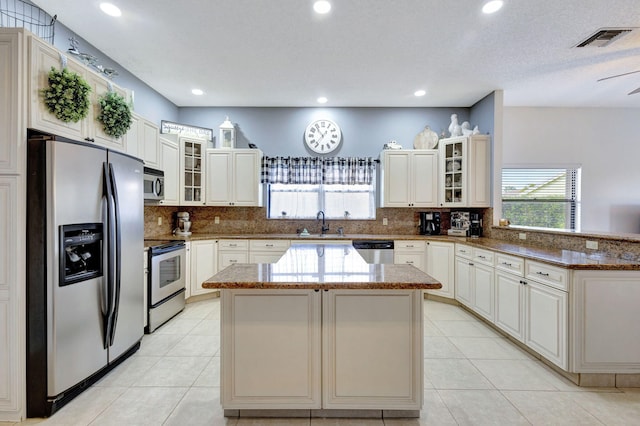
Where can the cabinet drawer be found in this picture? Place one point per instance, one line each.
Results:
(547, 274)
(513, 264)
(464, 251)
(483, 256)
(233, 245)
(409, 245)
(268, 245)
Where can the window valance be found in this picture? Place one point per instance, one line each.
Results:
(316, 170)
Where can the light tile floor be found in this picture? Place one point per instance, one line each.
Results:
(473, 376)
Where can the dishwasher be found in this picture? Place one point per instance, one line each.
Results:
(375, 251)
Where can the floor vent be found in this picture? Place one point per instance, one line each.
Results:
(604, 37)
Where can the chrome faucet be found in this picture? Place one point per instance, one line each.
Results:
(325, 227)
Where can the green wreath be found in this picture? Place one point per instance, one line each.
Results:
(115, 114)
(67, 96)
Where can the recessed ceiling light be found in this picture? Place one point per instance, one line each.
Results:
(322, 100)
(492, 6)
(322, 6)
(420, 92)
(110, 9)
(197, 92)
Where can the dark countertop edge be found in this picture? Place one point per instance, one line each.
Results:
(536, 253)
(321, 286)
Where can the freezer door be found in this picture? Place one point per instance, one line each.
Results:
(127, 174)
(75, 344)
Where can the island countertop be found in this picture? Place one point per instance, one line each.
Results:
(321, 266)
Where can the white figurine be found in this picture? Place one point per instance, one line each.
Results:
(466, 129)
(454, 128)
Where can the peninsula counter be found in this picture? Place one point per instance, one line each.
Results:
(322, 333)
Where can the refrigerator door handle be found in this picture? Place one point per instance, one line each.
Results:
(109, 270)
(116, 252)
(104, 289)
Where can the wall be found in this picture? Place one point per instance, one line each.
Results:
(279, 131)
(604, 141)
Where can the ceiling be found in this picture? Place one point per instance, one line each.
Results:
(367, 52)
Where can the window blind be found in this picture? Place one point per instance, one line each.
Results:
(541, 197)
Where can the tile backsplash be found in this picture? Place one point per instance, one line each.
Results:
(253, 220)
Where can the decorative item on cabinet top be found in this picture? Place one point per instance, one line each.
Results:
(187, 130)
(464, 129)
(426, 139)
(22, 14)
(90, 60)
(227, 138)
(392, 145)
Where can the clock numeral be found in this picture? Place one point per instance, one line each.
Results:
(317, 127)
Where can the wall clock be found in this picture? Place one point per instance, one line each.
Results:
(322, 136)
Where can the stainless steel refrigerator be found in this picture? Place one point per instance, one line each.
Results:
(85, 238)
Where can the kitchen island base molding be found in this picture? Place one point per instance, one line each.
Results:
(328, 414)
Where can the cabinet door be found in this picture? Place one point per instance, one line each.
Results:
(479, 177)
(204, 262)
(425, 178)
(99, 87)
(247, 189)
(132, 138)
(192, 172)
(453, 169)
(463, 279)
(12, 107)
(510, 304)
(483, 291)
(396, 181)
(170, 164)
(219, 184)
(546, 319)
(150, 135)
(440, 265)
(43, 57)
(271, 345)
(371, 346)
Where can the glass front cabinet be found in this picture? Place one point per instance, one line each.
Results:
(192, 171)
(465, 167)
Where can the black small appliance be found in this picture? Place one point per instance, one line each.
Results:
(430, 223)
(475, 225)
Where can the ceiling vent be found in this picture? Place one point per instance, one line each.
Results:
(604, 37)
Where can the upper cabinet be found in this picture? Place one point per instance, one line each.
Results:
(465, 168)
(233, 177)
(170, 164)
(95, 129)
(12, 107)
(142, 141)
(192, 168)
(409, 178)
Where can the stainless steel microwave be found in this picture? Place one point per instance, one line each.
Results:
(153, 184)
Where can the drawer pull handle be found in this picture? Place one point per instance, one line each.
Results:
(506, 263)
(409, 245)
(410, 262)
(233, 245)
(542, 273)
(482, 257)
(268, 245)
(463, 251)
(523, 282)
(232, 260)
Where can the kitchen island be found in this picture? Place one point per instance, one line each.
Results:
(322, 333)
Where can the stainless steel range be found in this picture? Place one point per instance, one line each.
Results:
(166, 286)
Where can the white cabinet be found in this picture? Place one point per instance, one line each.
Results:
(204, 264)
(510, 293)
(43, 58)
(465, 168)
(267, 251)
(233, 177)
(409, 178)
(441, 266)
(306, 349)
(606, 335)
(192, 171)
(232, 251)
(12, 109)
(170, 164)
(357, 371)
(142, 141)
(411, 252)
(265, 363)
(474, 282)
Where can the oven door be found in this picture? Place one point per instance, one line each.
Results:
(168, 271)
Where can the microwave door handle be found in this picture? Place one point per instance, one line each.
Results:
(115, 232)
(157, 187)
